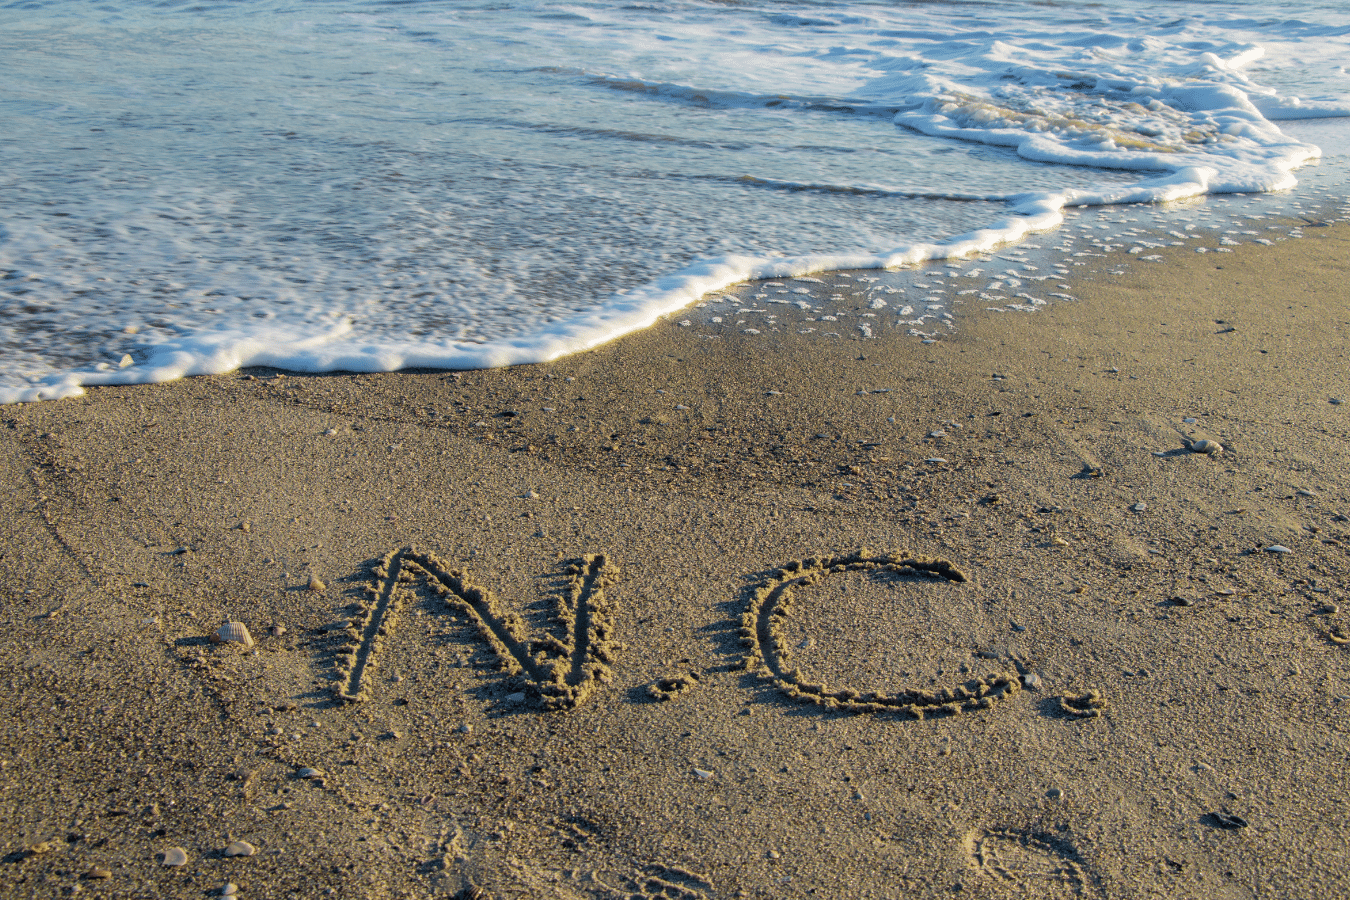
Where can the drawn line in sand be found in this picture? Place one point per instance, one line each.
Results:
(563, 673)
(1039, 864)
(1083, 706)
(767, 652)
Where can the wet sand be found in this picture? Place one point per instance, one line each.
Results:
(741, 663)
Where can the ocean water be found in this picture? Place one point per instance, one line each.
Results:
(356, 185)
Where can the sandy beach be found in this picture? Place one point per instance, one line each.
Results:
(708, 614)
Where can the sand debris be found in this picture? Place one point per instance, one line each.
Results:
(669, 688)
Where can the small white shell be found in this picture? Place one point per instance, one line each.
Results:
(233, 633)
(1213, 448)
(175, 856)
(308, 772)
(240, 848)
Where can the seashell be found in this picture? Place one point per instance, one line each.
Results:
(175, 856)
(308, 772)
(229, 889)
(240, 848)
(233, 633)
(1278, 548)
(316, 583)
(1212, 448)
(98, 873)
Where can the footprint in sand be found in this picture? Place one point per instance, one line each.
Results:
(1028, 863)
(562, 672)
(764, 636)
(669, 883)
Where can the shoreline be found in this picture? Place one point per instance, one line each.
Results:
(1044, 455)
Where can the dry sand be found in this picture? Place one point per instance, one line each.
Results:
(1099, 555)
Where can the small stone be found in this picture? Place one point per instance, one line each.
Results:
(937, 433)
(1056, 794)
(175, 856)
(517, 697)
(530, 495)
(316, 583)
(1306, 493)
(245, 526)
(1278, 548)
(277, 630)
(466, 728)
(125, 361)
(681, 406)
(98, 873)
(240, 848)
(309, 773)
(1031, 681)
(703, 774)
(1058, 541)
(1335, 401)
(935, 460)
(1327, 609)
(229, 889)
(773, 854)
(1211, 448)
(1139, 507)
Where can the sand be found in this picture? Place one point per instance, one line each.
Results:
(642, 511)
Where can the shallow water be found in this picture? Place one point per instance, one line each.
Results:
(368, 186)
